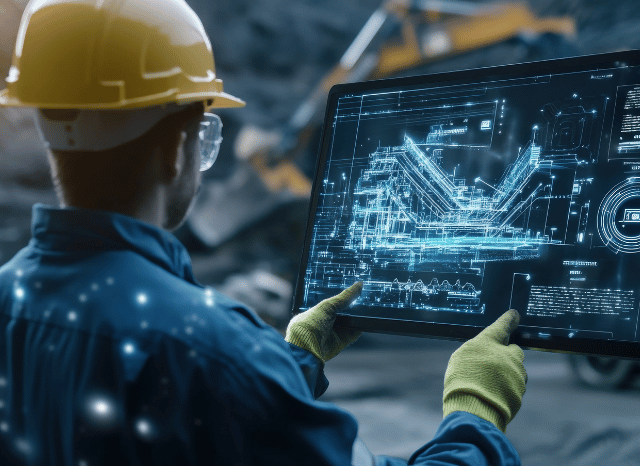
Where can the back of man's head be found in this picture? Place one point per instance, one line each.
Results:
(116, 179)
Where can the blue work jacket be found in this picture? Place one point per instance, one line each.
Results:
(112, 353)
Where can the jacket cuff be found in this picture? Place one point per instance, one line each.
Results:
(460, 401)
(312, 369)
(305, 339)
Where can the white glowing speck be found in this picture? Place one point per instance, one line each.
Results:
(95, 286)
(188, 330)
(1, 404)
(209, 302)
(144, 324)
(144, 427)
(4, 426)
(23, 446)
(19, 293)
(193, 353)
(52, 347)
(101, 407)
(46, 313)
(19, 273)
(3, 382)
(129, 348)
(73, 315)
(82, 297)
(209, 292)
(110, 281)
(141, 298)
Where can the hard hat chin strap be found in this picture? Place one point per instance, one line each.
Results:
(98, 130)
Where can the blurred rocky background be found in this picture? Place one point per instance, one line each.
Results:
(246, 232)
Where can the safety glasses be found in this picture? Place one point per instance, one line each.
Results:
(210, 136)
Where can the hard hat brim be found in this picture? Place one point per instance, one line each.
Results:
(224, 100)
(212, 100)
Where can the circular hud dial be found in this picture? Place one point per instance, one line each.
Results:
(619, 217)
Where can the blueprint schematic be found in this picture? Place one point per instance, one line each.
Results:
(455, 203)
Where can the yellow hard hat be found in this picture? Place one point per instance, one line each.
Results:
(112, 54)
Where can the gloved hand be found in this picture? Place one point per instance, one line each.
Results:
(313, 330)
(486, 377)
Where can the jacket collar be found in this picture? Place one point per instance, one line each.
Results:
(74, 230)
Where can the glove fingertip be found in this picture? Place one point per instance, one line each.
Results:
(349, 295)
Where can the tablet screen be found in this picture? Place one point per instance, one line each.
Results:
(459, 196)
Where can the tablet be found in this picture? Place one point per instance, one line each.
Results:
(457, 196)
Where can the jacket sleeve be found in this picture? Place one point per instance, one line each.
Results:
(312, 370)
(462, 439)
(262, 410)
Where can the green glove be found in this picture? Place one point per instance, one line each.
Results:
(313, 330)
(486, 377)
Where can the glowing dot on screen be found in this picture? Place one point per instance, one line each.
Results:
(209, 302)
(144, 324)
(46, 313)
(4, 426)
(3, 382)
(19, 273)
(1, 404)
(141, 298)
(95, 286)
(82, 297)
(19, 293)
(73, 315)
(193, 353)
(52, 347)
(110, 281)
(209, 292)
(188, 330)
(129, 348)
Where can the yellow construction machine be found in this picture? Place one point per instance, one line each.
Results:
(399, 36)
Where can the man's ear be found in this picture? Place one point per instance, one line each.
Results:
(171, 161)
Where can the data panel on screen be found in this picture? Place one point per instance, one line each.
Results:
(454, 203)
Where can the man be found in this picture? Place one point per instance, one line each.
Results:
(111, 352)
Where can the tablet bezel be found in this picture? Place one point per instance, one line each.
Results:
(620, 349)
